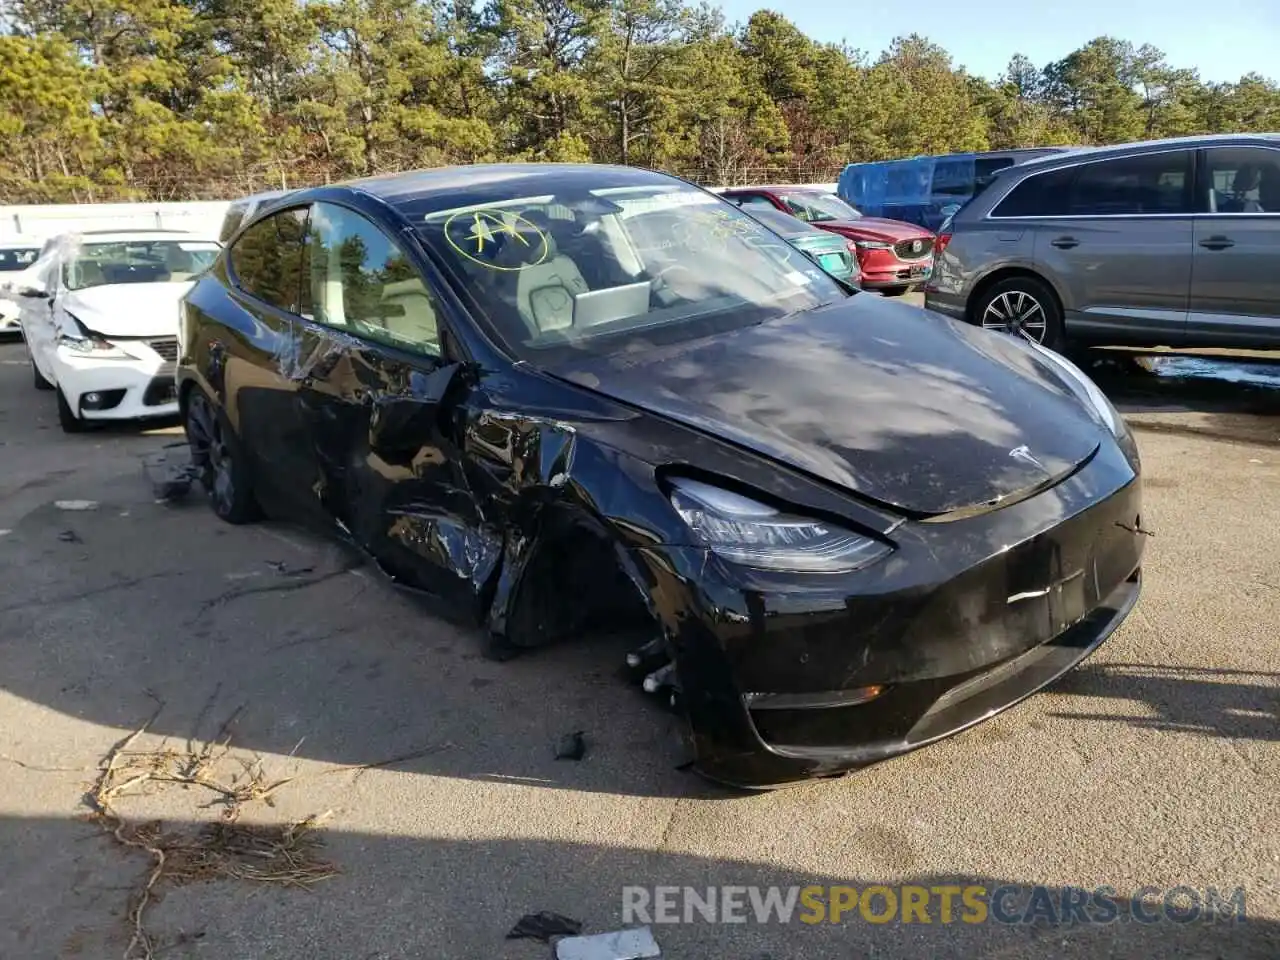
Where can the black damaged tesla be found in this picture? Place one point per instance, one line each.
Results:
(552, 396)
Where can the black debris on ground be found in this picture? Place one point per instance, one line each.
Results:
(69, 536)
(170, 471)
(282, 568)
(572, 746)
(543, 926)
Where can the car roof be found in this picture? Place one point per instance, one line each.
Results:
(126, 235)
(1143, 146)
(261, 197)
(403, 187)
(784, 224)
(774, 187)
(133, 234)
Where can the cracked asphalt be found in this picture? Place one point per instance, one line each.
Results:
(1155, 764)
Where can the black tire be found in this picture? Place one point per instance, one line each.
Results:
(67, 419)
(219, 459)
(1024, 301)
(37, 378)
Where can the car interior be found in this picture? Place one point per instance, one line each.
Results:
(558, 275)
(403, 311)
(1246, 189)
(561, 266)
(101, 264)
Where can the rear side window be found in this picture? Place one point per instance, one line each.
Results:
(953, 178)
(1043, 195)
(985, 170)
(1243, 180)
(231, 222)
(269, 260)
(1147, 183)
(753, 201)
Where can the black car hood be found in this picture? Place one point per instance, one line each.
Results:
(895, 403)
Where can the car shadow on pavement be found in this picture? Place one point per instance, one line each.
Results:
(110, 611)
(1225, 399)
(1234, 704)
(1235, 398)
(68, 889)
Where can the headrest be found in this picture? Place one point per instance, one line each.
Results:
(134, 273)
(540, 223)
(1245, 179)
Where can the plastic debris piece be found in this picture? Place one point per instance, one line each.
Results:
(664, 676)
(543, 926)
(170, 472)
(647, 658)
(5, 533)
(76, 504)
(572, 746)
(285, 570)
(637, 944)
(69, 536)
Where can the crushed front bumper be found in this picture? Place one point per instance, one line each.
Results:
(116, 389)
(965, 619)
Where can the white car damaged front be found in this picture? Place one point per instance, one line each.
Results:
(101, 327)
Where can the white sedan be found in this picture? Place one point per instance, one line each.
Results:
(17, 255)
(100, 320)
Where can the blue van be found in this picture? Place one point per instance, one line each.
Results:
(926, 190)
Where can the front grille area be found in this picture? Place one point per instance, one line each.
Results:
(167, 347)
(905, 250)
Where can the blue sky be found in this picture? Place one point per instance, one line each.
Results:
(1223, 39)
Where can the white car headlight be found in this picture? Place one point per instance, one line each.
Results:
(757, 535)
(86, 344)
(1086, 391)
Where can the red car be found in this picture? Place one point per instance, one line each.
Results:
(894, 256)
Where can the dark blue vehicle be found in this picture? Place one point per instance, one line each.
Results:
(926, 190)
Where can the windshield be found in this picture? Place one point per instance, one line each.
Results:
(17, 258)
(590, 269)
(818, 207)
(137, 261)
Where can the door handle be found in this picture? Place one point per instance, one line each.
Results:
(1217, 243)
(1065, 243)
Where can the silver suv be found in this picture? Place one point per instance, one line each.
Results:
(1165, 243)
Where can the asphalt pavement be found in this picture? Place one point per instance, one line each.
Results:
(431, 774)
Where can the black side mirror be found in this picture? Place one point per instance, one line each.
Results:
(35, 293)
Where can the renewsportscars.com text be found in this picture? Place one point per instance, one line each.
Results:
(945, 903)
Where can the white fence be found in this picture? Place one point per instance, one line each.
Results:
(41, 221)
(48, 220)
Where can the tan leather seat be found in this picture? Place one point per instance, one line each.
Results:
(418, 322)
(545, 288)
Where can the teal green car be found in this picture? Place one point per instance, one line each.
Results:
(833, 252)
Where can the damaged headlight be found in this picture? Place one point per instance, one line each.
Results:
(81, 341)
(758, 535)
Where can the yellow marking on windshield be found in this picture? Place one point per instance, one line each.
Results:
(475, 235)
